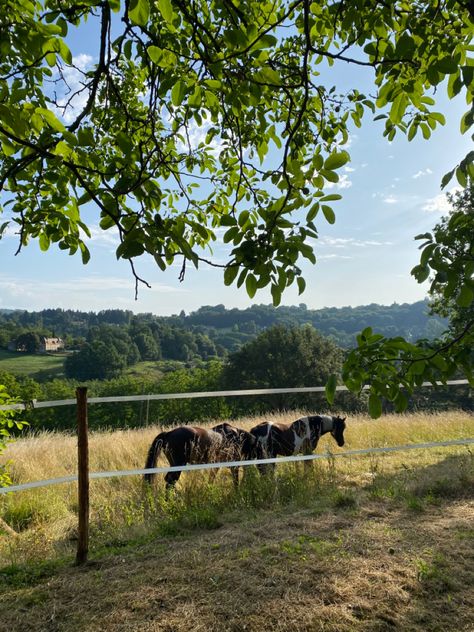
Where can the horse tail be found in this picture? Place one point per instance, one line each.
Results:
(153, 454)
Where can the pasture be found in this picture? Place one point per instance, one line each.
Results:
(40, 367)
(367, 543)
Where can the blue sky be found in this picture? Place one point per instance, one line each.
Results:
(390, 193)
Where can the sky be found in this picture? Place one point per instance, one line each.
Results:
(391, 192)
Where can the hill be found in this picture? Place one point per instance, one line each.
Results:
(228, 329)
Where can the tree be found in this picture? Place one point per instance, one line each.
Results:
(29, 342)
(244, 78)
(283, 357)
(452, 247)
(147, 346)
(95, 361)
(393, 367)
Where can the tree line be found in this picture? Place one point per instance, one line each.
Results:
(210, 331)
(279, 357)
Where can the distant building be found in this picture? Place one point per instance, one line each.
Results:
(51, 344)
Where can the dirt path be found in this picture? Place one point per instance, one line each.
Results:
(373, 568)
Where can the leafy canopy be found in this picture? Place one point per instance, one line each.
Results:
(199, 116)
(394, 367)
(203, 116)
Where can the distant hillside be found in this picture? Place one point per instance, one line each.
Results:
(228, 329)
(412, 321)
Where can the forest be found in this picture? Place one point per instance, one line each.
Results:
(116, 352)
(215, 330)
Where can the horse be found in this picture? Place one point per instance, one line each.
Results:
(299, 437)
(192, 444)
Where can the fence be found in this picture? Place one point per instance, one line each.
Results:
(84, 475)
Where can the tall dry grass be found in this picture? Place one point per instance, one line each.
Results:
(53, 454)
(45, 518)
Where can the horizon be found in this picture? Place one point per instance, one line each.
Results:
(282, 305)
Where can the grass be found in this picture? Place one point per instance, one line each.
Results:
(363, 543)
(41, 367)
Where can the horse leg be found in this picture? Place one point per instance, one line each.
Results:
(235, 476)
(213, 474)
(268, 469)
(172, 478)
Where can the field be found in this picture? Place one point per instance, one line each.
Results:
(40, 367)
(369, 543)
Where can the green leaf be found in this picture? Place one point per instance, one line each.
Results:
(276, 295)
(465, 296)
(230, 273)
(447, 178)
(401, 402)
(44, 242)
(139, 12)
(129, 248)
(336, 160)
(251, 285)
(447, 65)
(178, 93)
(154, 53)
(330, 388)
(398, 108)
(331, 198)
(51, 119)
(375, 406)
(301, 285)
(328, 213)
(461, 177)
(166, 10)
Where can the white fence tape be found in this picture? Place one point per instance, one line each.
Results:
(139, 398)
(209, 466)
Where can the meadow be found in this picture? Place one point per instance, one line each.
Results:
(377, 542)
(39, 366)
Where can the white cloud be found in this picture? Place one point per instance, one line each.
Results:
(54, 292)
(421, 173)
(344, 183)
(101, 237)
(74, 97)
(390, 199)
(349, 169)
(345, 242)
(439, 203)
(196, 134)
(332, 256)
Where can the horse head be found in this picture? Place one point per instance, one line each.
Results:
(338, 427)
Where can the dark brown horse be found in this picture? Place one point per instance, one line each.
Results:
(192, 444)
(299, 437)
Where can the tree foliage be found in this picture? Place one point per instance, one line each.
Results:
(8, 422)
(246, 76)
(450, 247)
(394, 367)
(283, 357)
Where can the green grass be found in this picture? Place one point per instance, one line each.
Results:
(41, 367)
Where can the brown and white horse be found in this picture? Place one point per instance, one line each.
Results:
(299, 437)
(192, 444)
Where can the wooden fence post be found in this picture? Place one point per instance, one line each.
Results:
(82, 476)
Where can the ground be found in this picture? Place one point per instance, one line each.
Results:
(367, 544)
